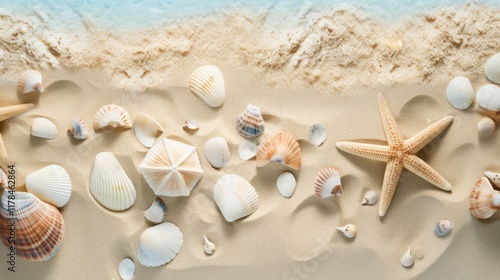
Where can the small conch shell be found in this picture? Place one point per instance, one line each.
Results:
(281, 148)
(327, 183)
(349, 230)
(126, 269)
(146, 129)
(460, 93)
(14, 110)
(492, 68)
(209, 246)
(156, 211)
(486, 127)
(113, 116)
(494, 177)
(407, 259)
(484, 201)
(217, 152)
(317, 134)
(78, 129)
(43, 128)
(370, 198)
(250, 123)
(488, 97)
(286, 184)
(191, 124)
(442, 227)
(248, 149)
(207, 83)
(29, 81)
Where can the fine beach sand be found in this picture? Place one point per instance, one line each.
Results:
(286, 238)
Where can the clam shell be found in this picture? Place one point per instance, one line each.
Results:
(286, 184)
(109, 184)
(492, 68)
(217, 152)
(50, 184)
(209, 246)
(460, 93)
(488, 97)
(191, 124)
(78, 129)
(407, 259)
(29, 81)
(370, 198)
(126, 269)
(207, 83)
(349, 230)
(235, 197)
(171, 168)
(250, 123)
(156, 211)
(43, 128)
(317, 134)
(12, 111)
(3, 180)
(442, 227)
(159, 245)
(327, 183)
(494, 177)
(486, 127)
(146, 129)
(112, 116)
(281, 148)
(39, 226)
(248, 149)
(484, 201)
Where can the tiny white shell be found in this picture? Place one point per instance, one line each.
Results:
(191, 124)
(209, 246)
(126, 269)
(317, 134)
(146, 129)
(160, 244)
(460, 93)
(207, 83)
(235, 197)
(442, 227)
(78, 129)
(494, 177)
(248, 149)
(492, 68)
(156, 211)
(488, 97)
(486, 127)
(286, 184)
(349, 230)
(370, 198)
(407, 259)
(29, 81)
(43, 128)
(217, 152)
(111, 115)
(50, 184)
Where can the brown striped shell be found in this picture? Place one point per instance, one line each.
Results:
(327, 183)
(281, 148)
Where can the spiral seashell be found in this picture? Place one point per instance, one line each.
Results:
(50, 184)
(327, 183)
(492, 68)
(12, 111)
(43, 128)
(235, 197)
(407, 259)
(217, 152)
(112, 116)
(281, 148)
(209, 246)
(248, 149)
(286, 184)
(146, 129)
(317, 134)
(484, 201)
(442, 227)
(250, 123)
(486, 127)
(126, 269)
(78, 129)
(159, 245)
(460, 93)
(349, 230)
(488, 97)
(29, 81)
(156, 211)
(207, 83)
(370, 198)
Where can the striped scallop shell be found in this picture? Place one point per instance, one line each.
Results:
(250, 123)
(159, 245)
(488, 97)
(14, 110)
(78, 129)
(146, 129)
(50, 184)
(207, 83)
(492, 68)
(317, 134)
(109, 184)
(235, 197)
(281, 148)
(39, 226)
(486, 127)
(327, 183)
(113, 116)
(126, 269)
(156, 211)
(29, 81)
(43, 128)
(460, 93)
(217, 152)
(484, 201)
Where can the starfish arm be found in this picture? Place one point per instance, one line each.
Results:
(374, 152)
(422, 169)
(417, 142)
(394, 138)
(391, 177)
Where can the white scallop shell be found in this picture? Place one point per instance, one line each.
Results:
(217, 152)
(43, 128)
(349, 230)
(443, 227)
(156, 211)
(50, 184)
(191, 124)
(78, 129)
(248, 149)
(112, 115)
(250, 123)
(209, 246)
(29, 81)
(286, 184)
(494, 177)
(109, 184)
(407, 259)
(488, 97)
(486, 127)
(492, 68)
(207, 83)
(460, 93)
(126, 269)
(159, 245)
(327, 183)
(317, 134)
(235, 197)
(370, 198)
(146, 129)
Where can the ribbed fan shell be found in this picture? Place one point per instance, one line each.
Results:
(327, 183)
(207, 83)
(280, 148)
(50, 184)
(250, 123)
(235, 197)
(159, 245)
(113, 116)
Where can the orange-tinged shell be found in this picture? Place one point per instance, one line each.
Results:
(327, 183)
(280, 148)
(29, 81)
(484, 200)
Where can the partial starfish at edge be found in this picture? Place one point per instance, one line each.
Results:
(399, 154)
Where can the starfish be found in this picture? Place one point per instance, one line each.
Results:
(399, 153)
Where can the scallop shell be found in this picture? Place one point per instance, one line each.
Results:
(126, 269)
(156, 211)
(494, 177)
(3, 180)
(78, 129)
(29, 81)
(286, 184)
(235, 197)
(407, 259)
(488, 97)
(460, 93)
(250, 123)
(109, 184)
(248, 149)
(39, 226)
(171, 168)
(486, 127)
(317, 134)
(209, 246)
(484, 201)
(327, 183)
(191, 124)
(12, 111)
(43, 128)
(146, 129)
(492, 68)
(159, 245)
(207, 83)
(50, 184)
(349, 230)
(113, 116)
(442, 227)
(281, 148)
(217, 152)
(370, 198)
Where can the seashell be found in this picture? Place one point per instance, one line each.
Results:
(109, 184)
(442, 227)
(235, 197)
(126, 269)
(146, 129)
(407, 259)
(12, 111)
(488, 97)
(394, 44)
(29, 81)
(486, 127)
(4, 183)
(191, 124)
(494, 177)
(349, 230)
(250, 123)
(50, 184)
(281, 148)
(209, 246)
(4, 157)
(370, 198)
(207, 83)
(217, 152)
(484, 201)
(156, 211)
(286, 184)
(492, 68)
(171, 168)
(317, 134)
(43, 128)
(327, 183)
(248, 149)
(39, 226)
(159, 245)
(113, 116)
(460, 93)
(78, 129)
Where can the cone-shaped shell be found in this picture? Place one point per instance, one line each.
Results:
(171, 168)
(443, 227)
(209, 246)
(78, 129)
(286, 184)
(39, 226)
(488, 97)
(327, 183)
(280, 148)
(113, 116)
(248, 149)
(126, 269)
(492, 68)
(317, 134)
(159, 245)
(43, 128)
(486, 127)
(250, 123)
(146, 129)
(50, 184)
(460, 93)
(29, 81)
(109, 184)
(484, 201)
(349, 230)
(407, 259)
(370, 198)
(207, 83)
(494, 177)
(156, 211)
(235, 197)
(11, 111)
(217, 152)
